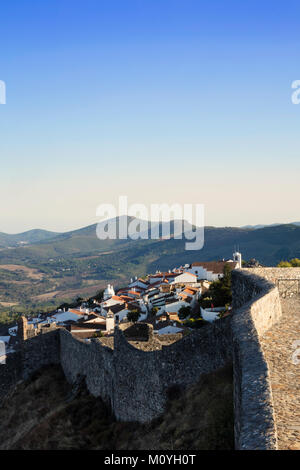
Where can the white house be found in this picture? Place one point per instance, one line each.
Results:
(175, 306)
(211, 270)
(138, 283)
(212, 314)
(69, 315)
(185, 278)
(114, 300)
(115, 307)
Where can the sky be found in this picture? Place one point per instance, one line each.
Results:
(163, 101)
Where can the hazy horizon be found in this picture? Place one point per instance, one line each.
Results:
(148, 220)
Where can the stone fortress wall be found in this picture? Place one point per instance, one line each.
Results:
(10, 373)
(257, 307)
(135, 383)
(34, 352)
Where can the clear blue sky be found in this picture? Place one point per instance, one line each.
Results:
(163, 101)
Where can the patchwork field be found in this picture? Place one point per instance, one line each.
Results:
(72, 293)
(25, 289)
(28, 272)
(8, 304)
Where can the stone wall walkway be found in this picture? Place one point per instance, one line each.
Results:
(280, 348)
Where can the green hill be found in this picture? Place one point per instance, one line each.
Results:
(60, 268)
(29, 237)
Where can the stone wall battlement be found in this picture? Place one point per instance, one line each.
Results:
(135, 383)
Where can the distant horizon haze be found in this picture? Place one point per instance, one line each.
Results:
(74, 228)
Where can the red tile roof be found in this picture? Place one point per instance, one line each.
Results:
(216, 267)
(190, 274)
(189, 290)
(186, 298)
(163, 275)
(77, 312)
(115, 308)
(158, 283)
(117, 297)
(126, 298)
(137, 294)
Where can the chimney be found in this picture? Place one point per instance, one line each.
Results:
(22, 328)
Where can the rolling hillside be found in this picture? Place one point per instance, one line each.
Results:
(60, 268)
(29, 237)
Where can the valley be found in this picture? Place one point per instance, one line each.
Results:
(61, 267)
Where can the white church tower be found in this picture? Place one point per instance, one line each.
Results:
(237, 257)
(109, 292)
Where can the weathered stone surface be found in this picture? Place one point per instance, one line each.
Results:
(279, 345)
(258, 338)
(10, 373)
(267, 393)
(34, 353)
(257, 307)
(135, 382)
(40, 351)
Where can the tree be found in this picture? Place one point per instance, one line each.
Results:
(133, 315)
(99, 295)
(226, 279)
(284, 264)
(184, 312)
(295, 262)
(219, 292)
(195, 323)
(154, 310)
(64, 306)
(98, 334)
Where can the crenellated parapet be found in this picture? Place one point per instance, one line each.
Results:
(134, 382)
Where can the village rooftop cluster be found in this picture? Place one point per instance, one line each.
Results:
(156, 299)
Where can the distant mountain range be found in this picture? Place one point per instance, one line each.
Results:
(36, 236)
(29, 237)
(60, 266)
(269, 244)
(255, 227)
